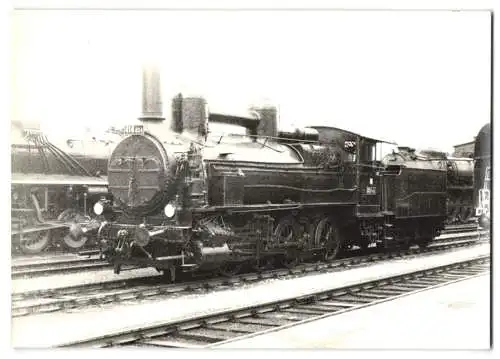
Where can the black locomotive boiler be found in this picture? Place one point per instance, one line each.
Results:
(187, 198)
(50, 191)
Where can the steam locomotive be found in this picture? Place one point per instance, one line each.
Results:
(482, 175)
(50, 191)
(186, 198)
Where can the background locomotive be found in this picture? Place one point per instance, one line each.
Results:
(482, 175)
(92, 151)
(49, 191)
(187, 198)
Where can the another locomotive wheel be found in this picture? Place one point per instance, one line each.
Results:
(326, 235)
(35, 242)
(70, 241)
(286, 230)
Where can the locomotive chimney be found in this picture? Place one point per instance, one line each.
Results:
(151, 95)
(190, 114)
(268, 125)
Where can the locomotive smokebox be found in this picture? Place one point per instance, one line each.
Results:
(151, 95)
(268, 125)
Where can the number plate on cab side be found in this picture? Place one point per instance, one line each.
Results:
(350, 146)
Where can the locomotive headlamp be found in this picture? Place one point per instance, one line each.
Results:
(141, 236)
(98, 208)
(169, 210)
(103, 207)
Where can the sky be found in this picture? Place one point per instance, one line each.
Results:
(421, 79)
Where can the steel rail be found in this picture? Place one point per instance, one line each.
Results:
(215, 329)
(57, 299)
(38, 269)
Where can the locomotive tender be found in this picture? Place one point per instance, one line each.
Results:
(460, 175)
(459, 187)
(186, 198)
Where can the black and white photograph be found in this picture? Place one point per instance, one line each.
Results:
(251, 177)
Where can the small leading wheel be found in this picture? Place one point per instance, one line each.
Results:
(326, 235)
(34, 242)
(71, 241)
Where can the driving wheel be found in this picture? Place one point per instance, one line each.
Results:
(34, 242)
(326, 236)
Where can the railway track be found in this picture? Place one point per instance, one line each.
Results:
(219, 328)
(66, 298)
(59, 266)
(89, 260)
(460, 228)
